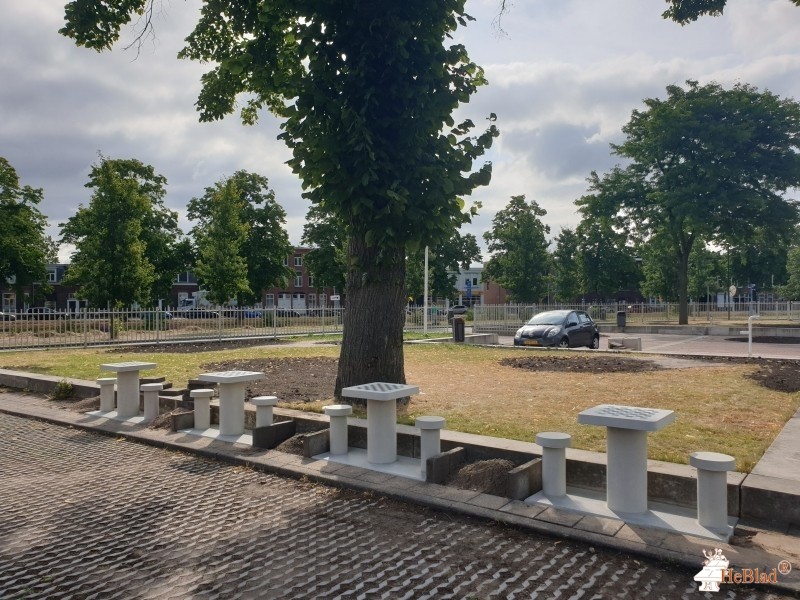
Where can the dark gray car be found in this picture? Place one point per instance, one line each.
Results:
(559, 328)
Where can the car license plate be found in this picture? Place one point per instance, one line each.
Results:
(531, 342)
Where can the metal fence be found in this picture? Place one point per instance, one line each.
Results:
(502, 316)
(53, 329)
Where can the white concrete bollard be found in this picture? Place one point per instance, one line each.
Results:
(712, 487)
(264, 406)
(429, 439)
(554, 462)
(338, 414)
(106, 384)
(150, 393)
(202, 408)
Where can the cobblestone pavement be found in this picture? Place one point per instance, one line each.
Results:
(84, 515)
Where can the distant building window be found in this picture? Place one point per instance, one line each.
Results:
(310, 281)
(52, 276)
(298, 279)
(11, 280)
(474, 281)
(298, 261)
(286, 262)
(185, 277)
(270, 300)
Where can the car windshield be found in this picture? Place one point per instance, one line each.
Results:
(548, 318)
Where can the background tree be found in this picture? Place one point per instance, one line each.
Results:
(51, 248)
(606, 257)
(326, 262)
(110, 265)
(23, 244)
(566, 266)
(791, 291)
(366, 91)
(707, 164)
(444, 262)
(221, 268)
(520, 261)
(265, 245)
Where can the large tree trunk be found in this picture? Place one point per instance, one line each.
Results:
(372, 344)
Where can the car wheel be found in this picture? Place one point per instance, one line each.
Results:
(595, 342)
(564, 343)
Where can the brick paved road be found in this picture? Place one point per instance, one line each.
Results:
(88, 516)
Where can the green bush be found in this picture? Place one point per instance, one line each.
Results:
(63, 390)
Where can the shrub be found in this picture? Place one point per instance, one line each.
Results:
(63, 390)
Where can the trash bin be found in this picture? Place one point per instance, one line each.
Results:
(458, 329)
(621, 318)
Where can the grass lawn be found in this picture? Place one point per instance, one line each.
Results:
(718, 408)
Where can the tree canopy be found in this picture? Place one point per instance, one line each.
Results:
(23, 245)
(124, 236)
(686, 11)
(707, 164)
(520, 261)
(240, 238)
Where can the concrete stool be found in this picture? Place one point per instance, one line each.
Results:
(338, 414)
(554, 462)
(150, 393)
(712, 487)
(202, 407)
(107, 393)
(264, 406)
(429, 439)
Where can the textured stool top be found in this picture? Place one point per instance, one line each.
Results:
(712, 461)
(380, 391)
(430, 422)
(553, 439)
(151, 387)
(338, 410)
(264, 400)
(232, 376)
(128, 366)
(201, 393)
(627, 417)
(106, 380)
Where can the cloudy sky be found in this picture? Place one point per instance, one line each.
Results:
(564, 76)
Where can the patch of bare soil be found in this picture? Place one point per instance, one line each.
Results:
(200, 346)
(290, 379)
(485, 476)
(778, 375)
(582, 364)
(294, 445)
(78, 404)
(164, 420)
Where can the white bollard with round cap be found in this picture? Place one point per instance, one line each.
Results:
(338, 414)
(202, 407)
(429, 439)
(712, 487)
(107, 393)
(150, 393)
(554, 462)
(264, 405)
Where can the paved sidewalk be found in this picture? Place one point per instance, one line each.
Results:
(696, 345)
(137, 512)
